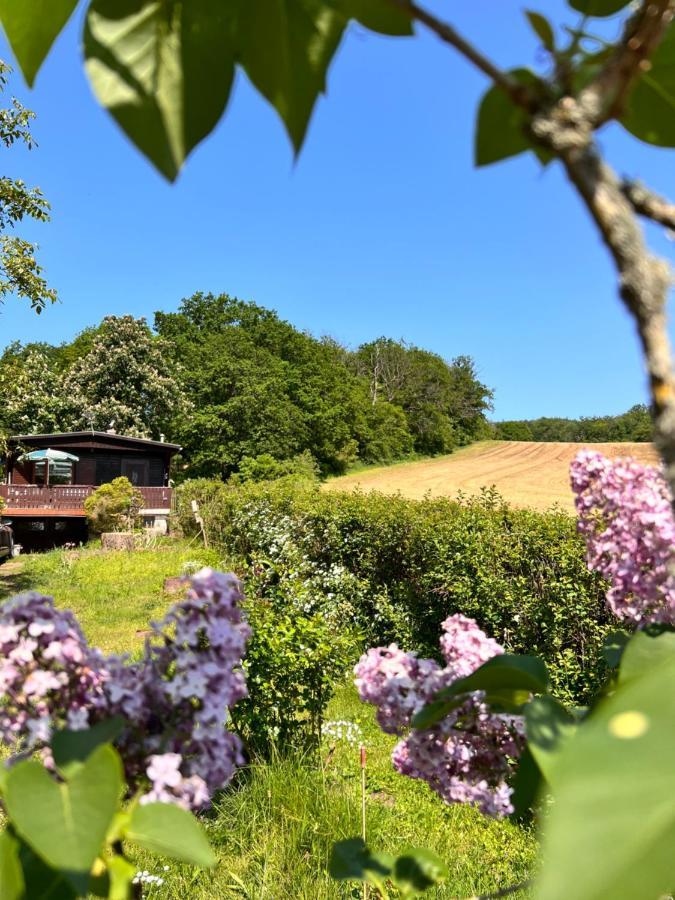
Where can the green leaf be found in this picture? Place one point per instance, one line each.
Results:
(508, 679)
(501, 127)
(43, 882)
(377, 15)
(542, 28)
(66, 824)
(526, 786)
(548, 728)
(31, 27)
(613, 646)
(650, 108)
(285, 48)
(416, 870)
(598, 8)
(610, 834)
(644, 650)
(77, 746)
(172, 831)
(163, 69)
(11, 874)
(351, 860)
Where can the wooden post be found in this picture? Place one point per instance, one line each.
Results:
(199, 521)
(363, 807)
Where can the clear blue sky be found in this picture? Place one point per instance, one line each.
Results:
(382, 227)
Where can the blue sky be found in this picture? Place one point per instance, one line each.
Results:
(383, 226)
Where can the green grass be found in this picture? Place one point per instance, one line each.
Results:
(273, 829)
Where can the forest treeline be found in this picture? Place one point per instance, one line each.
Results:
(242, 390)
(634, 425)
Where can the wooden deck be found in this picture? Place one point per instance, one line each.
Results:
(68, 500)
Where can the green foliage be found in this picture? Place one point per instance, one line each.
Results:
(31, 38)
(501, 128)
(170, 831)
(649, 110)
(542, 28)
(408, 564)
(412, 873)
(598, 7)
(113, 506)
(266, 468)
(634, 425)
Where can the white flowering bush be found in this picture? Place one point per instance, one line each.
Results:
(86, 730)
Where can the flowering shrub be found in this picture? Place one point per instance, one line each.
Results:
(174, 702)
(466, 757)
(625, 515)
(114, 506)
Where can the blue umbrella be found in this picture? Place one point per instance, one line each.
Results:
(49, 456)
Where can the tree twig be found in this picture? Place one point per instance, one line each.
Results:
(647, 203)
(520, 94)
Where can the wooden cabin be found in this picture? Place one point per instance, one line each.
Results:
(45, 500)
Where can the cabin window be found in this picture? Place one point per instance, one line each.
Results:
(59, 473)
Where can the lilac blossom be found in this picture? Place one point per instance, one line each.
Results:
(469, 755)
(625, 515)
(175, 700)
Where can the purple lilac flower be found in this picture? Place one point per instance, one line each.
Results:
(469, 755)
(625, 515)
(175, 700)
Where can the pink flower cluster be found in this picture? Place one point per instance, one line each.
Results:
(175, 700)
(468, 756)
(625, 515)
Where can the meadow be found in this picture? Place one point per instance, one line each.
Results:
(526, 473)
(274, 827)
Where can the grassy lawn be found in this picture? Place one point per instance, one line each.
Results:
(274, 828)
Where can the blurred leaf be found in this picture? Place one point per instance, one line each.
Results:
(31, 27)
(43, 882)
(285, 48)
(650, 108)
(598, 8)
(351, 860)
(163, 69)
(526, 786)
(77, 746)
(501, 125)
(377, 15)
(542, 28)
(611, 831)
(417, 870)
(66, 823)
(613, 647)
(548, 727)
(11, 875)
(172, 831)
(644, 650)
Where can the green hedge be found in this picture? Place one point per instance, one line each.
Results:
(396, 568)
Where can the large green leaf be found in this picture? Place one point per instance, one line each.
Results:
(351, 860)
(285, 47)
(611, 831)
(598, 8)
(548, 728)
(171, 831)
(45, 883)
(501, 127)
(66, 823)
(416, 870)
(644, 650)
(526, 786)
(11, 874)
(31, 27)
(382, 16)
(77, 746)
(164, 69)
(650, 109)
(507, 679)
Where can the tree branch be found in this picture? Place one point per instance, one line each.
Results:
(605, 96)
(647, 203)
(520, 94)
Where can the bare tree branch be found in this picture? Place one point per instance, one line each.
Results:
(605, 96)
(647, 203)
(520, 94)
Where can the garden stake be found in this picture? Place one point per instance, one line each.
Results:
(363, 807)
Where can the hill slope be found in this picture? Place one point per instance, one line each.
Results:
(524, 472)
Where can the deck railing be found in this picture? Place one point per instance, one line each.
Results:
(71, 497)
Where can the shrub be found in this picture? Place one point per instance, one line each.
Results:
(266, 468)
(407, 565)
(113, 506)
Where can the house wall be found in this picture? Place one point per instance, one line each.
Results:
(97, 467)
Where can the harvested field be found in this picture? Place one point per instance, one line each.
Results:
(525, 473)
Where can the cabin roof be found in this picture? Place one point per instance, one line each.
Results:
(94, 438)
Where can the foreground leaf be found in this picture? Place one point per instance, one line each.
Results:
(76, 746)
(542, 28)
(285, 48)
(172, 831)
(598, 8)
(163, 69)
(501, 127)
(549, 727)
(643, 651)
(377, 15)
(43, 882)
(613, 646)
(526, 787)
(66, 824)
(650, 109)
(11, 875)
(611, 832)
(351, 860)
(417, 870)
(31, 27)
